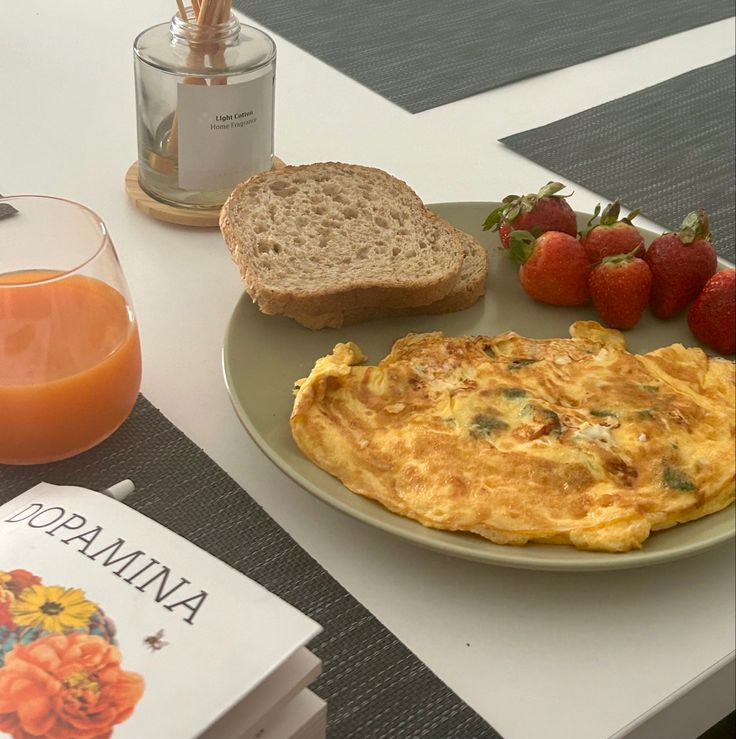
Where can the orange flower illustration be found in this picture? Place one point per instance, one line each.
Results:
(18, 580)
(66, 687)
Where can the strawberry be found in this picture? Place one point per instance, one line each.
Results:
(681, 264)
(712, 318)
(611, 235)
(535, 212)
(619, 287)
(554, 267)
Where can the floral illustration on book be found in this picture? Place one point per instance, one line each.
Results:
(60, 666)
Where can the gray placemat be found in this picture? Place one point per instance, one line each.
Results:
(374, 686)
(667, 149)
(425, 53)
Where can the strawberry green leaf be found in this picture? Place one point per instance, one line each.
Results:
(609, 216)
(514, 212)
(550, 189)
(610, 213)
(505, 212)
(695, 226)
(493, 220)
(521, 246)
(618, 260)
(595, 215)
(633, 214)
(512, 206)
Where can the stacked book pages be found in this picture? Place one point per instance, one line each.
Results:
(112, 625)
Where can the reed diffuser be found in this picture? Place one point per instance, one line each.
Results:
(205, 104)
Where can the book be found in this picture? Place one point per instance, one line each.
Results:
(303, 717)
(113, 625)
(269, 700)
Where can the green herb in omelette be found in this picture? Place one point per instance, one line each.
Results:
(485, 425)
(677, 480)
(514, 392)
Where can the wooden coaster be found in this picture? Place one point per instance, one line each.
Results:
(199, 217)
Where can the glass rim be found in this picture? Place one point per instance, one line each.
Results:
(63, 274)
(144, 56)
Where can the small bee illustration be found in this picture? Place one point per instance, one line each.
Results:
(155, 641)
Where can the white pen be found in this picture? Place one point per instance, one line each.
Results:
(120, 490)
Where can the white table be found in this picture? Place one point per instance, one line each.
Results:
(647, 652)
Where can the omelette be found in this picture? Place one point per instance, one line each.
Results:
(561, 441)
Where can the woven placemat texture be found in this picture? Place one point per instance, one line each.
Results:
(374, 686)
(424, 53)
(667, 149)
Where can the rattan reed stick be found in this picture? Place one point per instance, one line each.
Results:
(207, 13)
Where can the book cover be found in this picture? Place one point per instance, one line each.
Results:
(112, 625)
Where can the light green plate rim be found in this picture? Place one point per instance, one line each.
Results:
(264, 355)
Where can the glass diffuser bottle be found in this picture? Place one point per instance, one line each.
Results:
(205, 105)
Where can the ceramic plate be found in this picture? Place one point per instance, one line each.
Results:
(264, 355)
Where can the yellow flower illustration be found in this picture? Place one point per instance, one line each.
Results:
(52, 608)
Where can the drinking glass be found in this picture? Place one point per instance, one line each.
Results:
(70, 358)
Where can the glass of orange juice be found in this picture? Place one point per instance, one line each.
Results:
(70, 358)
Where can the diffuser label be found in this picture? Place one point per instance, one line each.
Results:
(225, 132)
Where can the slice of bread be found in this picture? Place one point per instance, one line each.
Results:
(330, 237)
(470, 286)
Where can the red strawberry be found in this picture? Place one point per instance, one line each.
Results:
(619, 287)
(554, 267)
(712, 318)
(681, 264)
(611, 235)
(536, 213)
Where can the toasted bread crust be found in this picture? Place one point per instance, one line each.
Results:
(469, 288)
(332, 237)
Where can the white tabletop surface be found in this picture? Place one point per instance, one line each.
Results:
(535, 653)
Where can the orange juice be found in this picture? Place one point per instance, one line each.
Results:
(70, 365)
